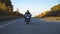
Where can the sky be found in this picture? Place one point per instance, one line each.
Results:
(34, 6)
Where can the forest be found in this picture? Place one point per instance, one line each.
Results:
(6, 9)
(54, 12)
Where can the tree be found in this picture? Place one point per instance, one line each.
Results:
(3, 7)
(56, 8)
(55, 11)
(10, 11)
(6, 7)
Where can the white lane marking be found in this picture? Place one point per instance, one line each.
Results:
(8, 23)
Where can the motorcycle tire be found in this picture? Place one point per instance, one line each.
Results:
(27, 22)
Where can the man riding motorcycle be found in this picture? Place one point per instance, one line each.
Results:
(27, 16)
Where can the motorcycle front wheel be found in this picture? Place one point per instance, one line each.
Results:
(27, 22)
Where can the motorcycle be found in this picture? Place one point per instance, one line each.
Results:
(27, 19)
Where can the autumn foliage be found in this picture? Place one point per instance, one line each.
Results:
(6, 8)
(54, 12)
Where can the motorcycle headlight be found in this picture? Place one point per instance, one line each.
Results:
(27, 17)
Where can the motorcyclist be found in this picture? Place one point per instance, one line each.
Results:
(28, 14)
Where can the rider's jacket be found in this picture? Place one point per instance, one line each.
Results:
(27, 14)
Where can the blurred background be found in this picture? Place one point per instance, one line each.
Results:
(38, 8)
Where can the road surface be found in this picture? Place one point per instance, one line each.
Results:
(36, 26)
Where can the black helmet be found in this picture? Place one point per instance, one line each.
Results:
(27, 11)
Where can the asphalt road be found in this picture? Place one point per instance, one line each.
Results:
(36, 26)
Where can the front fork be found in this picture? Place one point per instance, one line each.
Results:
(27, 21)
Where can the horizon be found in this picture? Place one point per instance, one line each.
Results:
(35, 7)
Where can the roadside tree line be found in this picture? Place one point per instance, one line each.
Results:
(54, 12)
(6, 9)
